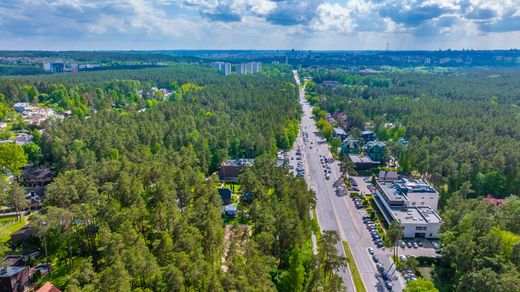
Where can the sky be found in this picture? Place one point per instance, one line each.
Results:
(259, 24)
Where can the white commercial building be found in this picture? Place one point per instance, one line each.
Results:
(413, 203)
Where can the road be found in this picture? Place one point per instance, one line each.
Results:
(338, 213)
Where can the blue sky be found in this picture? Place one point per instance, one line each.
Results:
(259, 24)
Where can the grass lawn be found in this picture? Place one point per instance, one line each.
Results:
(7, 219)
(13, 228)
(60, 272)
(425, 272)
(356, 276)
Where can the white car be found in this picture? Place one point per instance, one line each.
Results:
(371, 250)
(403, 258)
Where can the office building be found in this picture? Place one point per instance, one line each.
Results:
(412, 203)
(224, 68)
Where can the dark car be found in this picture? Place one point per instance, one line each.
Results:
(384, 275)
(375, 258)
(380, 267)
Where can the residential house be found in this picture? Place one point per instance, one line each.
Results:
(37, 176)
(339, 133)
(230, 169)
(225, 195)
(22, 235)
(350, 146)
(23, 139)
(20, 106)
(376, 150)
(368, 135)
(412, 203)
(48, 287)
(14, 279)
(362, 162)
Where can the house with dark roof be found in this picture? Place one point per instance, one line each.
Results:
(362, 162)
(225, 195)
(13, 278)
(230, 169)
(37, 176)
(376, 150)
(350, 146)
(368, 135)
(339, 133)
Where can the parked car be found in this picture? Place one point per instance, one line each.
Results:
(415, 245)
(384, 275)
(375, 258)
(435, 244)
(388, 285)
(420, 243)
(402, 244)
(380, 267)
(409, 244)
(403, 258)
(371, 251)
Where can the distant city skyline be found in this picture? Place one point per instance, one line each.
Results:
(259, 24)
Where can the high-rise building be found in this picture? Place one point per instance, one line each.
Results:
(224, 68)
(249, 68)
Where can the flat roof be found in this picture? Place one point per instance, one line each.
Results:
(399, 190)
(416, 215)
(237, 162)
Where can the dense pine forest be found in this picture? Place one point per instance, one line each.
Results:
(463, 133)
(134, 205)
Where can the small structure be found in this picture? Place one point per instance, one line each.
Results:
(48, 287)
(225, 195)
(231, 169)
(402, 141)
(231, 210)
(350, 146)
(376, 150)
(388, 175)
(339, 133)
(494, 201)
(14, 278)
(332, 84)
(22, 235)
(368, 135)
(20, 106)
(23, 139)
(362, 162)
(37, 176)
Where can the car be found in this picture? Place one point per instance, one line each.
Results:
(371, 250)
(327, 176)
(435, 244)
(409, 244)
(379, 243)
(415, 245)
(388, 285)
(380, 267)
(366, 217)
(355, 189)
(292, 158)
(384, 275)
(402, 244)
(310, 147)
(375, 258)
(420, 243)
(403, 258)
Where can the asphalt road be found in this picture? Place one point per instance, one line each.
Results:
(338, 213)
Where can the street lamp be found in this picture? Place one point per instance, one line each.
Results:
(44, 224)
